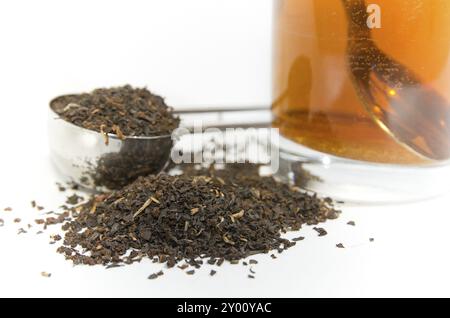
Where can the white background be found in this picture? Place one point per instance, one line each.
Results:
(195, 53)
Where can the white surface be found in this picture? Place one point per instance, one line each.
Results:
(194, 52)
(408, 258)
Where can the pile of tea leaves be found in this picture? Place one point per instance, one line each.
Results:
(226, 214)
(124, 111)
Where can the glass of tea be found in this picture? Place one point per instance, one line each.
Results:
(361, 96)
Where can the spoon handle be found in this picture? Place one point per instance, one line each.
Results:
(220, 109)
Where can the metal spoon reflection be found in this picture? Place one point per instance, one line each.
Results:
(399, 101)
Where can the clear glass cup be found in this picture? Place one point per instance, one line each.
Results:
(361, 95)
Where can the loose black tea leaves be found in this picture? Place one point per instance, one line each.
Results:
(340, 245)
(321, 231)
(211, 261)
(74, 199)
(61, 188)
(352, 223)
(21, 231)
(7, 209)
(55, 237)
(156, 275)
(34, 205)
(208, 214)
(115, 170)
(113, 266)
(153, 276)
(123, 111)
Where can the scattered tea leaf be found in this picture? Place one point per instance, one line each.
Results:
(153, 276)
(45, 274)
(74, 199)
(55, 237)
(194, 211)
(61, 188)
(21, 231)
(143, 207)
(116, 129)
(104, 134)
(183, 267)
(220, 262)
(321, 231)
(238, 215)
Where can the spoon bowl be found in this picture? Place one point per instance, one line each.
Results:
(82, 155)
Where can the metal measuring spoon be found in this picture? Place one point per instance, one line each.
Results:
(87, 158)
(102, 162)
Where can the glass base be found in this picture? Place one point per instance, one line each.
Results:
(358, 181)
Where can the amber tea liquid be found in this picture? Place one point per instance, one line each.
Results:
(364, 80)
